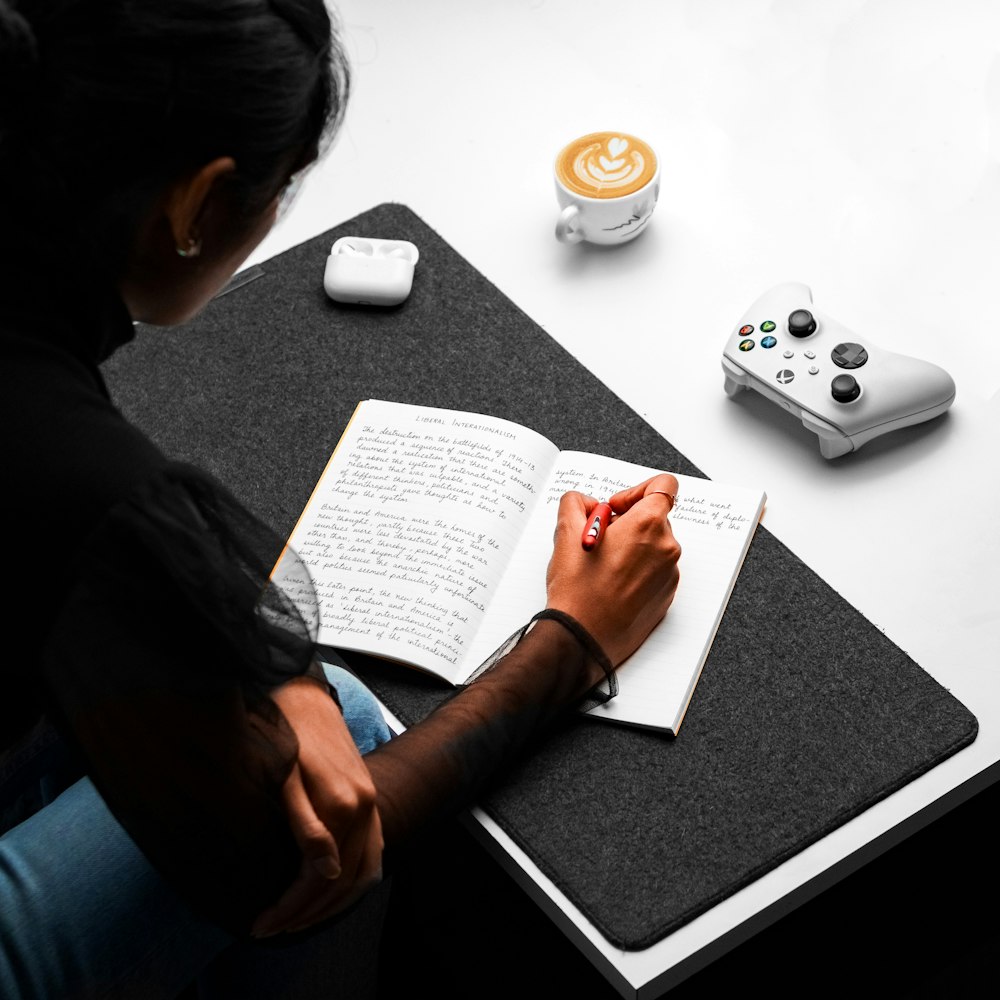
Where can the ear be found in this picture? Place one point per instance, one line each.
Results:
(188, 199)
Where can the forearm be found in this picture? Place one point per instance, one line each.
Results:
(438, 765)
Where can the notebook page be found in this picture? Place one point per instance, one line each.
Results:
(409, 529)
(713, 522)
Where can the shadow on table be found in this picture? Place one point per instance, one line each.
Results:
(918, 922)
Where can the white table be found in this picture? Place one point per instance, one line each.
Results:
(854, 146)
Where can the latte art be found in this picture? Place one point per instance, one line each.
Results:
(606, 165)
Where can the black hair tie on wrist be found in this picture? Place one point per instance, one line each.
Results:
(591, 647)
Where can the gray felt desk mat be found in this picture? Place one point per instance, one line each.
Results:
(805, 715)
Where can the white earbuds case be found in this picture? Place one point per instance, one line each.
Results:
(370, 272)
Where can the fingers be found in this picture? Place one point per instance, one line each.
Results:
(311, 899)
(314, 839)
(574, 509)
(327, 881)
(662, 484)
(352, 816)
(358, 878)
(320, 859)
(637, 562)
(330, 803)
(576, 505)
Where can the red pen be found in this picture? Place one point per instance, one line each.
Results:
(596, 525)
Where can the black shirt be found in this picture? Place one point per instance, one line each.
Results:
(152, 637)
(141, 615)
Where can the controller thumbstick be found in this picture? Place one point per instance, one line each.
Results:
(845, 388)
(801, 323)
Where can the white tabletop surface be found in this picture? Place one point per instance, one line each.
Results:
(853, 145)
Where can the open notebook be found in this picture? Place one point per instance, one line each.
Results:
(427, 538)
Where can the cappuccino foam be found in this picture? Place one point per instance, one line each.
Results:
(606, 165)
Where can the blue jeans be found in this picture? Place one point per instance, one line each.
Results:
(83, 914)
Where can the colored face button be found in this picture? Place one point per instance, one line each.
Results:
(767, 326)
(745, 331)
(746, 345)
(768, 341)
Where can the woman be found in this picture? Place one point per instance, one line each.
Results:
(180, 773)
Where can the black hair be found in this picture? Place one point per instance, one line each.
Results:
(103, 102)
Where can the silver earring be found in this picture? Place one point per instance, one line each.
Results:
(192, 250)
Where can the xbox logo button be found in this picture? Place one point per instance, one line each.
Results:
(785, 376)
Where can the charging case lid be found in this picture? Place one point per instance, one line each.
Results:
(370, 272)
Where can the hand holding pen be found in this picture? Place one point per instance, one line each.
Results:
(601, 516)
(597, 523)
(621, 584)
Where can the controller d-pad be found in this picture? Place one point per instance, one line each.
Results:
(849, 355)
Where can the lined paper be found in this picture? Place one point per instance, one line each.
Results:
(714, 524)
(428, 536)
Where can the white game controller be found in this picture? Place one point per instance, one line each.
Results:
(847, 391)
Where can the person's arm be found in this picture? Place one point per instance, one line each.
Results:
(341, 853)
(618, 593)
(166, 665)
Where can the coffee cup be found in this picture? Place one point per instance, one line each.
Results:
(607, 184)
